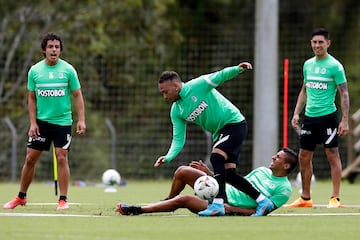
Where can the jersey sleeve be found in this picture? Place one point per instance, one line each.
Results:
(30, 83)
(179, 136)
(339, 75)
(219, 77)
(74, 82)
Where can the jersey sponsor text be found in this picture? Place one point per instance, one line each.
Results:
(197, 112)
(51, 93)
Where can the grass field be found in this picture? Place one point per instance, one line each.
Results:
(92, 215)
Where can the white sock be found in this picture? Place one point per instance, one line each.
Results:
(218, 200)
(260, 198)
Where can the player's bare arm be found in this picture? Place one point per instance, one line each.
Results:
(239, 211)
(301, 101)
(343, 128)
(34, 128)
(79, 101)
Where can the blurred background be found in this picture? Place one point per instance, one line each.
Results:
(120, 48)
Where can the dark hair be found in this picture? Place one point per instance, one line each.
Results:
(50, 36)
(321, 31)
(169, 76)
(291, 158)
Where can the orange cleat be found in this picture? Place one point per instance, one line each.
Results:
(62, 205)
(298, 203)
(15, 202)
(334, 203)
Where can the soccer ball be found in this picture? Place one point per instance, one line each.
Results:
(206, 187)
(111, 177)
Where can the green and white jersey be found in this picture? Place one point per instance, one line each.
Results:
(203, 105)
(321, 78)
(52, 86)
(277, 189)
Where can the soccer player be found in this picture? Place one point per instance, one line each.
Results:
(272, 182)
(323, 76)
(198, 101)
(50, 84)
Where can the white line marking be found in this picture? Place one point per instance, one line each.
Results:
(51, 204)
(47, 215)
(312, 214)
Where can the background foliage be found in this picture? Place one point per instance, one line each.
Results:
(120, 48)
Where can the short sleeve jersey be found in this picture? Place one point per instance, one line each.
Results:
(277, 189)
(202, 104)
(52, 86)
(321, 78)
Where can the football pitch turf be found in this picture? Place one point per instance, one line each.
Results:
(92, 215)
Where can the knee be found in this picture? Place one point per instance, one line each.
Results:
(61, 159)
(30, 160)
(182, 199)
(181, 171)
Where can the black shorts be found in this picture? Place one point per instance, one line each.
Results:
(230, 140)
(319, 130)
(60, 135)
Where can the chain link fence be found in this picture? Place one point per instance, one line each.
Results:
(125, 95)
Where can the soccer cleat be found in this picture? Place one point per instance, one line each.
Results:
(264, 207)
(125, 209)
(334, 203)
(214, 209)
(300, 202)
(62, 205)
(15, 202)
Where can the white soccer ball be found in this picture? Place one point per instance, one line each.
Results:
(111, 177)
(206, 187)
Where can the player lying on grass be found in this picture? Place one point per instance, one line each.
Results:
(272, 182)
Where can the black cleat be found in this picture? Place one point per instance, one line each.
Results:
(125, 209)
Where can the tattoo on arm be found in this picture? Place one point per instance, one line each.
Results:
(345, 103)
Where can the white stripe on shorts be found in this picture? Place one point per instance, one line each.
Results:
(332, 134)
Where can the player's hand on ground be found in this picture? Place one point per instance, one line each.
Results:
(159, 161)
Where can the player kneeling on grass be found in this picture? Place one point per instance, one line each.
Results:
(272, 182)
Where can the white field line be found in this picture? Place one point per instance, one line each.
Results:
(342, 206)
(51, 204)
(312, 214)
(48, 215)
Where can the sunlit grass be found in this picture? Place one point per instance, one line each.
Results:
(101, 221)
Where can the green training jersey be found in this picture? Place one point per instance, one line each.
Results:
(202, 104)
(321, 78)
(277, 189)
(52, 86)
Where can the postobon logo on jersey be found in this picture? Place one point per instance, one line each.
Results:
(198, 110)
(317, 85)
(51, 93)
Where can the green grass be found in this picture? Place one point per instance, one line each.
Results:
(100, 220)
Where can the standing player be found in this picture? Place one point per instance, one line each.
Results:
(50, 83)
(199, 102)
(323, 76)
